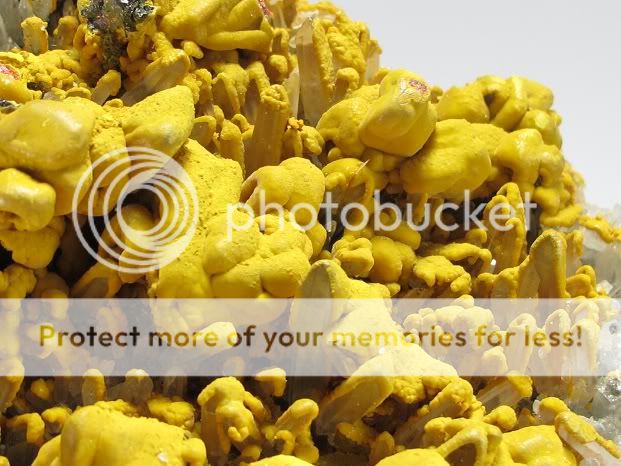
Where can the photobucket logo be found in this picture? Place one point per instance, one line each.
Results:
(386, 216)
(135, 241)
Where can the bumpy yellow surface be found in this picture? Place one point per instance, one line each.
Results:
(284, 101)
(126, 441)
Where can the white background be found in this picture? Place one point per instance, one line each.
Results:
(571, 46)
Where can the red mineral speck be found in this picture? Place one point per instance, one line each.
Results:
(419, 86)
(266, 10)
(5, 69)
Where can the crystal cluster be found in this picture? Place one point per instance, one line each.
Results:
(287, 100)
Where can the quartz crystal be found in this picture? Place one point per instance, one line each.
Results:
(604, 257)
(607, 407)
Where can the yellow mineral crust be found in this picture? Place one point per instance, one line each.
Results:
(11, 383)
(601, 226)
(35, 35)
(402, 118)
(57, 153)
(292, 430)
(532, 445)
(230, 416)
(33, 426)
(218, 183)
(29, 207)
(269, 257)
(220, 24)
(17, 282)
(335, 55)
(512, 104)
(281, 460)
(542, 273)
(175, 412)
(12, 89)
(395, 117)
(168, 66)
(454, 159)
(420, 456)
(56, 70)
(295, 184)
(301, 140)
(437, 272)
(123, 441)
(161, 122)
(56, 417)
(326, 279)
(286, 99)
(47, 239)
(100, 280)
(536, 167)
(507, 239)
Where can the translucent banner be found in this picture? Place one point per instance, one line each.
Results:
(366, 337)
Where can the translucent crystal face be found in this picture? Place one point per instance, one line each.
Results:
(4, 36)
(12, 14)
(606, 407)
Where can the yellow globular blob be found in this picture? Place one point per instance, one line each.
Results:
(535, 167)
(537, 443)
(47, 239)
(26, 205)
(42, 389)
(56, 416)
(175, 412)
(454, 159)
(512, 104)
(402, 119)
(327, 279)
(266, 254)
(162, 122)
(218, 185)
(220, 24)
(292, 430)
(437, 271)
(10, 383)
(35, 35)
(229, 417)
(125, 440)
(56, 153)
(427, 457)
(394, 117)
(296, 184)
(14, 90)
(355, 255)
(281, 460)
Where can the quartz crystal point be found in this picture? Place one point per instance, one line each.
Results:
(12, 13)
(4, 36)
(607, 407)
(315, 76)
(604, 257)
(266, 145)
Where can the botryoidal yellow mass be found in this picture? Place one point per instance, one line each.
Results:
(282, 101)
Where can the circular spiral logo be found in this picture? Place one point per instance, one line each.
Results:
(132, 240)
